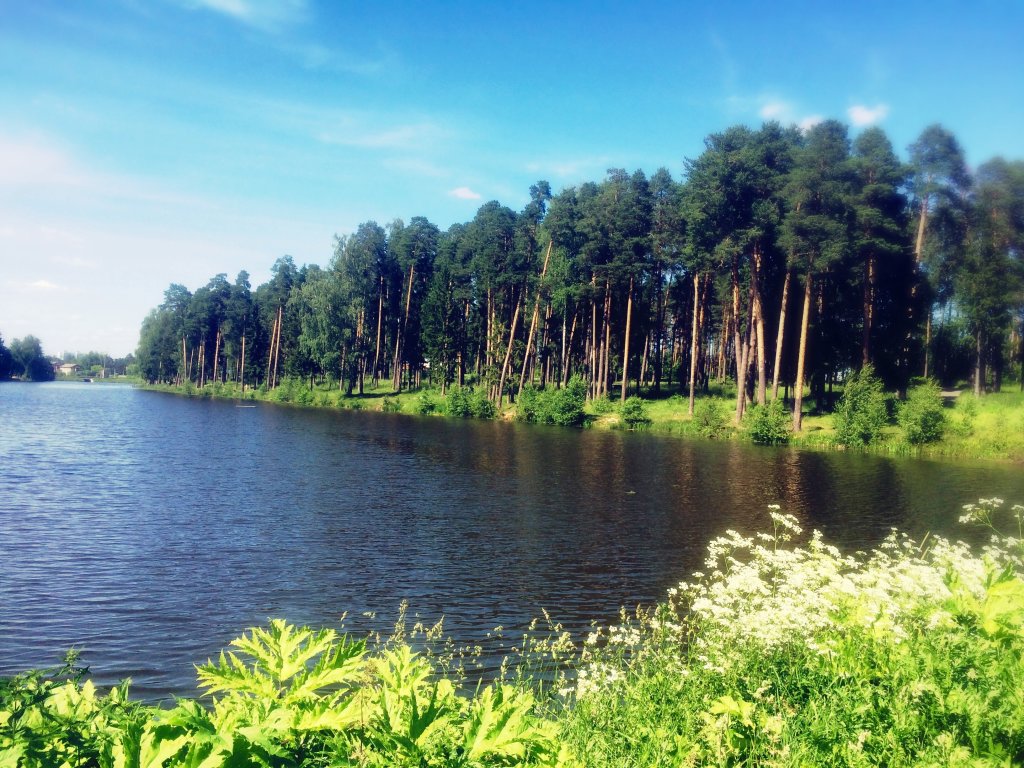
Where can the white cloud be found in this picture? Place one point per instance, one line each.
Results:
(571, 168)
(464, 193)
(809, 122)
(775, 110)
(350, 134)
(44, 285)
(861, 115)
(267, 15)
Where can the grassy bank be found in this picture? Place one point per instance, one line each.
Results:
(989, 427)
(780, 653)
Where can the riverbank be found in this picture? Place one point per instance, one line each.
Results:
(782, 654)
(989, 428)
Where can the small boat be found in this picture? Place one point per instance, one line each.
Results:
(87, 381)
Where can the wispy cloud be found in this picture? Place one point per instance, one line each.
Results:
(775, 110)
(861, 115)
(44, 285)
(352, 132)
(570, 168)
(268, 15)
(464, 193)
(809, 122)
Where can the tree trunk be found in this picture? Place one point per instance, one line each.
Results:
(625, 345)
(979, 365)
(380, 319)
(216, 357)
(758, 310)
(694, 333)
(533, 322)
(780, 334)
(508, 350)
(396, 374)
(241, 376)
(798, 387)
(869, 313)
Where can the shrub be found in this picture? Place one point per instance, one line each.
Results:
(564, 406)
(710, 418)
(602, 405)
(861, 414)
(768, 424)
(529, 404)
(425, 404)
(456, 403)
(965, 410)
(390, 405)
(480, 406)
(922, 417)
(634, 413)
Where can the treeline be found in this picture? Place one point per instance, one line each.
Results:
(782, 259)
(24, 360)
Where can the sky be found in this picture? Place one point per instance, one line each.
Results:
(150, 142)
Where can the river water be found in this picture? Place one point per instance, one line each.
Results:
(149, 530)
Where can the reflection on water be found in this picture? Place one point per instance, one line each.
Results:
(149, 530)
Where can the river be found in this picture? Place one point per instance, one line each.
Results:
(148, 530)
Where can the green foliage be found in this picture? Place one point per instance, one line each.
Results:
(391, 405)
(480, 406)
(281, 696)
(456, 403)
(602, 405)
(710, 418)
(528, 405)
(634, 413)
(862, 413)
(922, 417)
(426, 404)
(767, 424)
(564, 407)
(965, 412)
(798, 655)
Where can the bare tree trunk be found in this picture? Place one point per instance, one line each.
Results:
(241, 376)
(979, 365)
(606, 347)
(643, 361)
(396, 378)
(693, 340)
(780, 334)
(869, 313)
(380, 320)
(798, 387)
(216, 357)
(625, 345)
(533, 322)
(758, 309)
(508, 350)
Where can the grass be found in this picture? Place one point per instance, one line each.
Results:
(990, 427)
(779, 654)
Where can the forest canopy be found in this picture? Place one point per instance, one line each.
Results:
(781, 259)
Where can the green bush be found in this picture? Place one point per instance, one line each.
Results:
(391, 405)
(634, 413)
(602, 405)
(456, 403)
(529, 404)
(480, 406)
(862, 412)
(710, 418)
(965, 411)
(767, 424)
(922, 417)
(564, 407)
(426, 404)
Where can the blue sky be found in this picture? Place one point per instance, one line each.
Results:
(150, 142)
